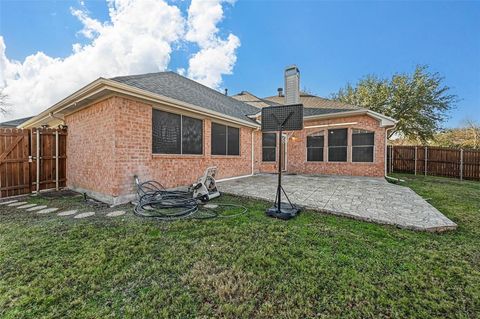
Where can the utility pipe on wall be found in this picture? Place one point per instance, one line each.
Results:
(253, 153)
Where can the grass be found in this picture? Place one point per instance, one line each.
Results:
(252, 266)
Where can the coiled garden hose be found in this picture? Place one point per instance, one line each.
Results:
(154, 201)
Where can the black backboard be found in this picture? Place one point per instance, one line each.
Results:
(274, 116)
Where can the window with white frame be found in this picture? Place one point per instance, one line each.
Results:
(337, 145)
(269, 147)
(176, 134)
(225, 140)
(363, 144)
(315, 147)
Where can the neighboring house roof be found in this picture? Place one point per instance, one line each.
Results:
(175, 86)
(314, 107)
(310, 111)
(309, 100)
(14, 123)
(253, 100)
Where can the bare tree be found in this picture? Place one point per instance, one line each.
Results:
(474, 129)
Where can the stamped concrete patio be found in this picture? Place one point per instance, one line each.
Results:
(369, 199)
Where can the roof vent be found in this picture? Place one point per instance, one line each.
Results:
(226, 92)
(292, 85)
(280, 91)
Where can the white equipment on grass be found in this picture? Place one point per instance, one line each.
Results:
(205, 188)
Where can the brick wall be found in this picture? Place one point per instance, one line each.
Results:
(111, 141)
(297, 157)
(134, 152)
(91, 148)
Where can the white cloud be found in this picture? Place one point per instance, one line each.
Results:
(139, 37)
(216, 56)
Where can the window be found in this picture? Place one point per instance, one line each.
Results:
(269, 147)
(176, 134)
(362, 146)
(225, 140)
(315, 147)
(337, 145)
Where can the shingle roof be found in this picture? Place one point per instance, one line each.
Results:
(15, 123)
(175, 86)
(313, 101)
(253, 100)
(311, 111)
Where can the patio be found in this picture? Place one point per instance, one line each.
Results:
(369, 199)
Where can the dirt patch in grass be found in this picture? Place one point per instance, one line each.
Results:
(225, 291)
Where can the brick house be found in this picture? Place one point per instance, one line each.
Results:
(165, 127)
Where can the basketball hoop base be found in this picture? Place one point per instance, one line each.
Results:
(284, 212)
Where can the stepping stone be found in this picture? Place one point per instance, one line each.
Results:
(68, 213)
(210, 206)
(47, 210)
(36, 208)
(17, 204)
(27, 206)
(116, 213)
(84, 215)
(8, 202)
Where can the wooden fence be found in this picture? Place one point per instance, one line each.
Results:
(438, 161)
(32, 160)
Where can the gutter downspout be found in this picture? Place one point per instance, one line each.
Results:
(253, 154)
(386, 156)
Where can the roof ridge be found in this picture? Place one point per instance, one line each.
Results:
(198, 83)
(178, 75)
(141, 75)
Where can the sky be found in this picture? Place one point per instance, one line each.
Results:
(49, 49)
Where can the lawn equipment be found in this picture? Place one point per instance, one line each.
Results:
(155, 201)
(205, 188)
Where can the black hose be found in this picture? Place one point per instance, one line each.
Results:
(154, 201)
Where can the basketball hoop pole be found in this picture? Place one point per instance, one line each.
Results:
(278, 200)
(279, 192)
(279, 125)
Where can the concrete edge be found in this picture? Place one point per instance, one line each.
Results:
(438, 229)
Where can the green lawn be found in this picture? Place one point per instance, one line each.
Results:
(314, 266)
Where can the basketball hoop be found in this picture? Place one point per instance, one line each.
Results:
(282, 118)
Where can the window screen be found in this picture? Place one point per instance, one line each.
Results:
(233, 142)
(192, 135)
(315, 147)
(176, 134)
(166, 131)
(219, 139)
(225, 140)
(337, 145)
(269, 147)
(362, 145)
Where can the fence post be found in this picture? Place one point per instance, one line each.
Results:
(416, 151)
(56, 160)
(426, 160)
(38, 161)
(461, 164)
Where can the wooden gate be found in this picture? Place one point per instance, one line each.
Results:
(14, 162)
(32, 160)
